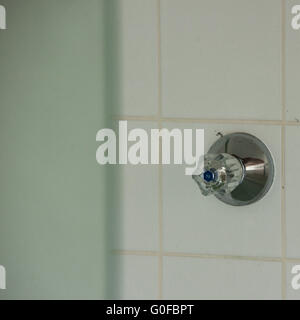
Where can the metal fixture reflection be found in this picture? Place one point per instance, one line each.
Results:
(238, 170)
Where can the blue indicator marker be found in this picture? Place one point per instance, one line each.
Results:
(208, 176)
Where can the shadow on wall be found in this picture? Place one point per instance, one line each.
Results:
(53, 195)
(112, 100)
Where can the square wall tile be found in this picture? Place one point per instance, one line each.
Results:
(292, 191)
(292, 281)
(221, 59)
(136, 214)
(137, 57)
(292, 63)
(198, 224)
(136, 277)
(194, 278)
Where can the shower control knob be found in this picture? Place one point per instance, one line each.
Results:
(222, 173)
(238, 169)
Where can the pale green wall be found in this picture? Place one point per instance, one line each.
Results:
(52, 192)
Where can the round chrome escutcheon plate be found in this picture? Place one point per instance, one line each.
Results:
(259, 167)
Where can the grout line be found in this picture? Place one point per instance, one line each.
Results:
(159, 80)
(293, 260)
(283, 213)
(283, 131)
(160, 224)
(200, 120)
(160, 196)
(292, 123)
(203, 120)
(201, 256)
(283, 66)
(136, 118)
(222, 257)
(223, 121)
(135, 253)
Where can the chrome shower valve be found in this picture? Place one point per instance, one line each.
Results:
(238, 170)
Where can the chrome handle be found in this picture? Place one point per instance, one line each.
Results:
(221, 174)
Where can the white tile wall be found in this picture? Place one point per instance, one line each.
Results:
(220, 59)
(292, 191)
(292, 46)
(137, 277)
(136, 218)
(192, 278)
(137, 57)
(217, 65)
